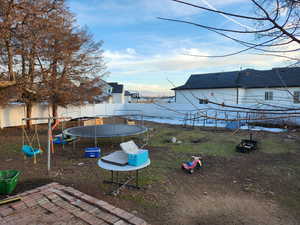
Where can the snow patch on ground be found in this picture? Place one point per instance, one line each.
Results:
(220, 124)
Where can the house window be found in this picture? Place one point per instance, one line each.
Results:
(203, 101)
(296, 96)
(268, 95)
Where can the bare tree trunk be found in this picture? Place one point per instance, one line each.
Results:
(10, 61)
(28, 114)
(54, 110)
(23, 66)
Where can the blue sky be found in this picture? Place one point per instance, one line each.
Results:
(143, 52)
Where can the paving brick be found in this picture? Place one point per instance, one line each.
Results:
(121, 222)
(117, 211)
(59, 205)
(126, 215)
(53, 197)
(1, 220)
(108, 207)
(137, 221)
(18, 205)
(6, 211)
(90, 219)
(108, 217)
(42, 201)
(64, 195)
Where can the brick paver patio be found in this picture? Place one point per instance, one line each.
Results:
(57, 204)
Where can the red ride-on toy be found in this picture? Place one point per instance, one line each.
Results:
(195, 164)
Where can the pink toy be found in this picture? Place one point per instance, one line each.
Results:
(190, 166)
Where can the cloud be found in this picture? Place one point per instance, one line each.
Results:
(149, 73)
(179, 60)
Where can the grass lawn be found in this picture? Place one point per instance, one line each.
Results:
(262, 187)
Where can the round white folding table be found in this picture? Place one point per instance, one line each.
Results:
(126, 168)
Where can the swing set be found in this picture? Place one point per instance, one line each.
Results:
(30, 148)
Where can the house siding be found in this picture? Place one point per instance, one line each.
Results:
(281, 96)
(118, 98)
(221, 95)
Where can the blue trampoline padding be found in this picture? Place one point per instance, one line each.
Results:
(29, 151)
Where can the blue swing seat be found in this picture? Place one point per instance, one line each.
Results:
(29, 151)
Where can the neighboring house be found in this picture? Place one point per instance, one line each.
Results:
(276, 86)
(131, 97)
(106, 95)
(134, 97)
(118, 93)
(113, 93)
(162, 99)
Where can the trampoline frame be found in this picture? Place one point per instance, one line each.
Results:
(93, 134)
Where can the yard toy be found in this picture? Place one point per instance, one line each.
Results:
(247, 145)
(8, 180)
(195, 164)
(63, 139)
(28, 149)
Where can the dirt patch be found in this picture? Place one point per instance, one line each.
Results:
(233, 188)
(219, 209)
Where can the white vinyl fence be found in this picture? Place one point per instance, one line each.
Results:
(12, 114)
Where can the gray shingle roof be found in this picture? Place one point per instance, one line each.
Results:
(117, 88)
(249, 78)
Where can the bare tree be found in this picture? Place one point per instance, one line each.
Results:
(275, 27)
(44, 56)
(72, 65)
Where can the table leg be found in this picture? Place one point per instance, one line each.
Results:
(115, 180)
(137, 179)
(117, 177)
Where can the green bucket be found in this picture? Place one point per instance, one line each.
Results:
(8, 180)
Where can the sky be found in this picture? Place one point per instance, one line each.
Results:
(152, 56)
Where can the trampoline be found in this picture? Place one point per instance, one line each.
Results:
(105, 131)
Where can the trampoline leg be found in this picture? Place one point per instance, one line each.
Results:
(112, 176)
(96, 142)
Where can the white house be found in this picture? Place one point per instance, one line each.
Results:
(105, 96)
(278, 86)
(118, 93)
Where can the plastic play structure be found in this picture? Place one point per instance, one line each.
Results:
(195, 164)
(63, 139)
(8, 181)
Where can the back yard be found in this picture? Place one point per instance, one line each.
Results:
(233, 188)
